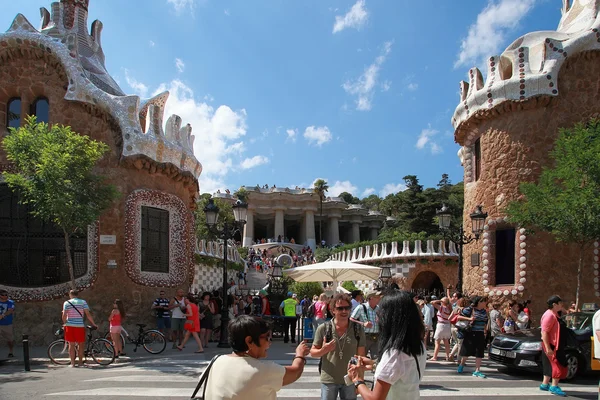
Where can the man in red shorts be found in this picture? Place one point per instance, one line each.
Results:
(72, 315)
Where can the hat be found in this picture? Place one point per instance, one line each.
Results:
(294, 296)
(290, 294)
(263, 292)
(373, 294)
(434, 297)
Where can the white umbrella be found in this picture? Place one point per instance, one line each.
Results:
(335, 271)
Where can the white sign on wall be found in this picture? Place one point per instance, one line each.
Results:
(108, 239)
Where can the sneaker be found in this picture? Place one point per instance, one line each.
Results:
(545, 387)
(479, 374)
(460, 369)
(10, 355)
(557, 391)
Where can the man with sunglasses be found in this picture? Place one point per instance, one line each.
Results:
(336, 342)
(7, 308)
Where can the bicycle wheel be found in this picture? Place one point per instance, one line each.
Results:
(58, 352)
(103, 352)
(154, 342)
(109, 338)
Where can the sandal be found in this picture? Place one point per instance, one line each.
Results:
(179, 348)
(199, 351)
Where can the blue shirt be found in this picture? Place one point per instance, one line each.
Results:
(480, 321)
(4, 307)
(75, 314)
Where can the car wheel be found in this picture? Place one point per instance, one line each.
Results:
(572, 365)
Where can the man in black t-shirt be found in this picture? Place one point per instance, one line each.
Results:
(163, 317)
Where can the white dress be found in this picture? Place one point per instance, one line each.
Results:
(400, 371)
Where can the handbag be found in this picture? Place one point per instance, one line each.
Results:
(188, 325)
(204, 379)
(454, 319)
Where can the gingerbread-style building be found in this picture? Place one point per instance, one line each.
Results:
(146, 239)
(507, 125)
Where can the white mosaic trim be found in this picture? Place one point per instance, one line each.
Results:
(596, 291)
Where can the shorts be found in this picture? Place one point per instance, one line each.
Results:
(116, 329)
(74, 334)
(442, 331)
(473, 344)
(177, 324)
(163, 323)
(7, 333)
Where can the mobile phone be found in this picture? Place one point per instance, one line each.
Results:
(348, 380)
(353, 361)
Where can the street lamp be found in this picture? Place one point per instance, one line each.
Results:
(385, 275)
(240, 211)
(458, 236)
(277, 272)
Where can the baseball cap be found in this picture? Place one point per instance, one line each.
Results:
(373, 293)
(262, 291)
(294, 296)
(290, 294)
(434, 297)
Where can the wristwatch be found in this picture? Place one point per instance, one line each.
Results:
(358, 383)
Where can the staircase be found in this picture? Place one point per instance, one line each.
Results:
(255, 280)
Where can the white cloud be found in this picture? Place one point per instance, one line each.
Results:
(181, 5)
(151, 43)
(179, 64)
(291, 134)
(386, 85)
(215, 129)
(255, 161)
(488, 33)
(236, 148)
(364, 86)
(367, 192)
(425, 140)
(341, 186)
(412, 86)
(208, 97)
(318, 135)
(138, 87)
(391, 188)
(355, 18)
(226, 12)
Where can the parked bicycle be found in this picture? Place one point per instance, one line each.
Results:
(153, 341)
(101, 350)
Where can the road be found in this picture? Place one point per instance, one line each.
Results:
(175, 375)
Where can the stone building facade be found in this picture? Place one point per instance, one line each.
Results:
(507, 126)
(145, 240)
(296, 213)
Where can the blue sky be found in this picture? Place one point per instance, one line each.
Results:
(282, 92)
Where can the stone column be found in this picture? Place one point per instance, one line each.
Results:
(248, 230)
(309, 218)
(333, 237)
(355, 232)
(279, 225)
(373, 232)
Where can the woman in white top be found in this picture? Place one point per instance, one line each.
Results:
(402, 350)
(241, 375)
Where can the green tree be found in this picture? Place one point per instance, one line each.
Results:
(55, 176)
(348, 198)
(322, 254)
(225, 214)
(320, 187)
(566, 199)
(309, 289)
(241, 194)
(371, 202)
(349, 286)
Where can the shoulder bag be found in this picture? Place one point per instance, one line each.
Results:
(204, 379)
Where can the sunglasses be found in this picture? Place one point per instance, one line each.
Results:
(346, 308)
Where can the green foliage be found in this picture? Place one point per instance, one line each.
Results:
(322, 254)
(243, 252)
(241, 194)
(348, 198)
(566, 199)
(349, 285)
(217, 262)
(309, 289)
(225, 214)
(321, 187)
(371, 202)
(55, 176)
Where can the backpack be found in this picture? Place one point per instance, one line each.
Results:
(256, 305)
(310, 313)
(329, 335)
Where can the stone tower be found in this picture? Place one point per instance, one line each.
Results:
(506, 126)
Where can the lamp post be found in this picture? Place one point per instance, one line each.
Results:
(458, 236)
(277, 272)
(385, 275)
(240, 210)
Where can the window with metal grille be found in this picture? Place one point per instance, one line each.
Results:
(13, 113)
(41, 109)
(155, 240)
(32, 252)
(505, 256)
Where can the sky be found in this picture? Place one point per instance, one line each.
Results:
(282, 92)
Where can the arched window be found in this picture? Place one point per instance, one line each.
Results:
(41, 109)
(13, 113)
(32, 252)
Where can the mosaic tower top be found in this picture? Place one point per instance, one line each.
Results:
(530, 66)
(64, 36)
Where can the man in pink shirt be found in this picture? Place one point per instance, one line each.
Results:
(551, 353)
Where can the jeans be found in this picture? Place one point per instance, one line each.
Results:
(329, 391)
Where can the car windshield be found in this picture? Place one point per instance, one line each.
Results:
(579, 321)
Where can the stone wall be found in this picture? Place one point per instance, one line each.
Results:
(28, 78)
(446, 271)
(515, 141)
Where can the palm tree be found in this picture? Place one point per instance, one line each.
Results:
(320, 187)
